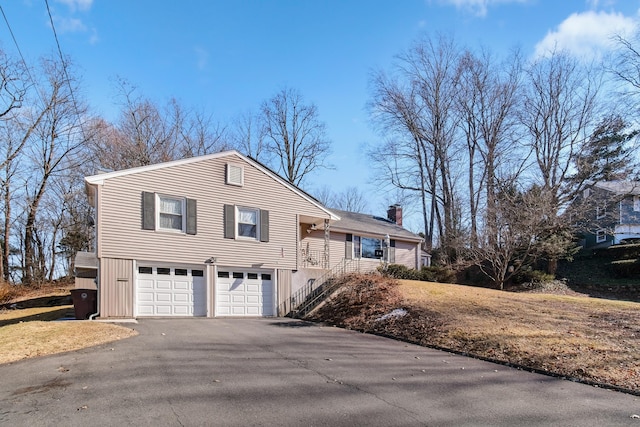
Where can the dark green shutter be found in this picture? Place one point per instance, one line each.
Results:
(192, 216)
(229, 222)
(348, 250)
(148, 211)
(264, 226)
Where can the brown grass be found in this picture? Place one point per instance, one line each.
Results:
(593, 340)
(16, 293)
(33, 330)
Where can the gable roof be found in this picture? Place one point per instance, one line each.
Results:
(100, 178)
(352, 222)
(630, 188)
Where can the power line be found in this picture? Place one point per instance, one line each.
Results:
(15, 42)
(64, 69)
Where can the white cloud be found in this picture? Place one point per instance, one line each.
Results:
(479, 7)
(202, 57)
(77, 4)
(69, 25)
(587, 34)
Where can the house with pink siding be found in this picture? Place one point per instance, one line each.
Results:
(221, 235)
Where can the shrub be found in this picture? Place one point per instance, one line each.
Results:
(7, 292)
(530, 275)
(625, 269)
(425, 274)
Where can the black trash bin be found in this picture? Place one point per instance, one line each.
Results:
(84, 302)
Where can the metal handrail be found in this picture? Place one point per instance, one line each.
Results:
(311, 294)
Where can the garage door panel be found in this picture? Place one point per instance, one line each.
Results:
(145, 284)
(145, 296)
(163, 310)
(237, 310)
(182, 311)
(253, 287)
(243, 297)
(170, 294)
(181, 285)
(253, 311)
(163, 284)
(182, 298)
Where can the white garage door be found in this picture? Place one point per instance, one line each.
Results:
(171, 291)
(244, 293)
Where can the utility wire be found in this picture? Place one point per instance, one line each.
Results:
(64, 69)
(26, 67)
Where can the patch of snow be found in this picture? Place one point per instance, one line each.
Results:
(398, 312)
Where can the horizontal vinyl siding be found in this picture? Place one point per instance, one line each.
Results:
(405, 252)
(122, 236)
(284, 292)
(116, 288)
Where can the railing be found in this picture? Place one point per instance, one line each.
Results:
(311, 258)
(314, 292)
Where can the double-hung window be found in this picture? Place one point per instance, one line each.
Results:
(245, 223)
(247, 220)
(636, 203)
(170, 213)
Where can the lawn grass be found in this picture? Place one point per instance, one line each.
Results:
(594, 340)
(35, 331)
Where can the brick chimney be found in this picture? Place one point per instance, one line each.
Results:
(394, 213)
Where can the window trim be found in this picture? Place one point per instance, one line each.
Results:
(183, 213)
(601, 236)
(357, 246)
(256, 211)
(601, 211)
(636, 203)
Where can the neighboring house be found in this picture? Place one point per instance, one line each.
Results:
(220, 235)
(608, 212)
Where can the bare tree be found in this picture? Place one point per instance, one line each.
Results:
(325, 195)
(249, 138)
(352, 200)
(625, 67)
(57, 135)
(13, 92)
(518, 226)
(559, 113)
(295, 136)
(196, 132)
(416, 112)
(487, 100)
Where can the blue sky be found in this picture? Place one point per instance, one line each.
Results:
(226, 57)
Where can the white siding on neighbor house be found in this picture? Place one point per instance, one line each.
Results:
(120, 215)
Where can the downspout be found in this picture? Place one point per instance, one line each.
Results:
(96, 243)
(97, 313)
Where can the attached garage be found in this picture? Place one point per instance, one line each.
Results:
(170, 290)
(244, 293)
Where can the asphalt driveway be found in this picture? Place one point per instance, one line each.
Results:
(280, 372)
